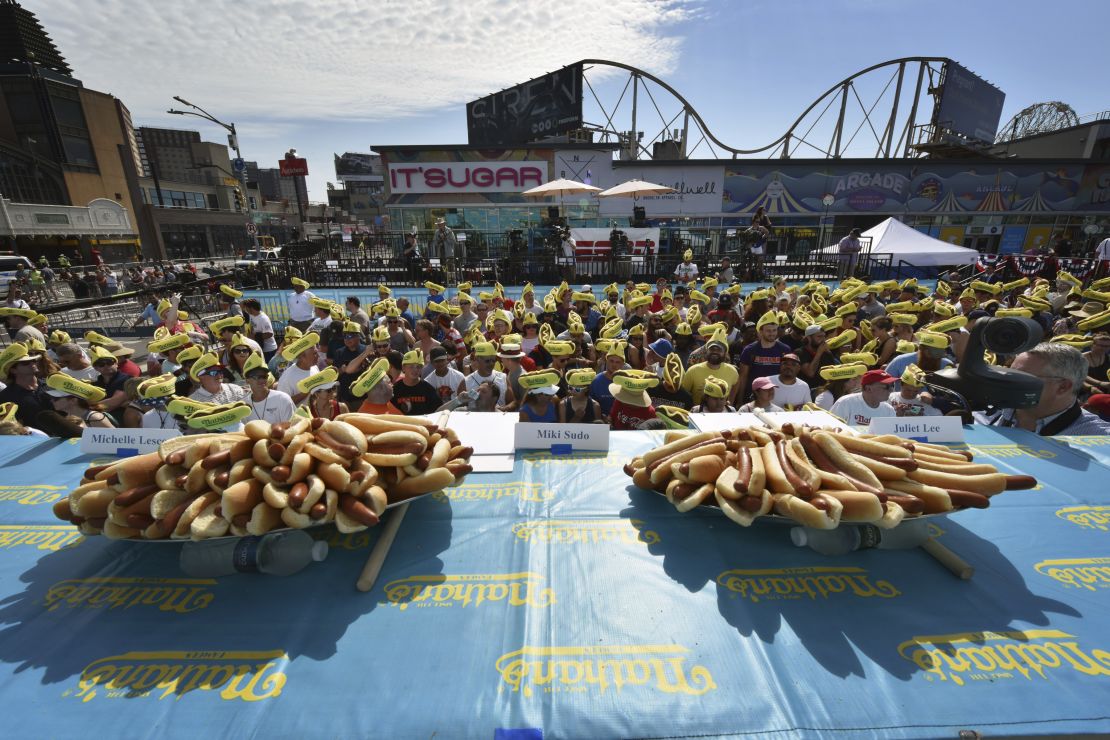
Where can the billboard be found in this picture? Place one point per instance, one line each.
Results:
(698, 190)
(969, 105)
(357, 166)
(293, 166)
(466, 177)
(550, 105)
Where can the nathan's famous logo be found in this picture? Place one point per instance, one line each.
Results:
(578, 458)
(1088, 573)
(351, 541)
(1011, 451)
(475, 589)
(1092, 517)
(181, 595)
(769, 584)
(31, 494)
(602, 667)
(41, 536)
(490, 491)
(246, 676)
(568, 531)
(989, 656)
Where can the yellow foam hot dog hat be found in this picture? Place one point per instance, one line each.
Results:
(189, 354)
(913, 375)
(905, 347)
(768, 318)
(1024, 313)
(433, 287)
(581, 378)
(932, 339)
(1079, 341)
(376, 373)
(59, 337)
(173, 341)
(159, 387)
(296, 348)
(673, 417)
(843, 372)
(864, 358)
(612, 329)
(943, 327)
(559, 348)
(634, 303)
(219, 417)
(324, 378)
(228, 322)
(182, 406)
(231, 292)
(539, 380)
(63, 384)
(203, 363)
(842, 339)
(715, 388)
(8, 410)
(413, 357)
(299, 281)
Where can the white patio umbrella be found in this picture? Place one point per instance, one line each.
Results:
(560, 188)
(634, 188)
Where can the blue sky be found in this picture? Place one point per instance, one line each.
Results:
(328, 76)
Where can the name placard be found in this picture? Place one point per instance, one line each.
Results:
(123, 442)
(562, 437)
(921, 428)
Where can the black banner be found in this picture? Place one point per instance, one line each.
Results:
(546, 106)
(969, 105)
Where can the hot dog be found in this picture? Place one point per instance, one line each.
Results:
(801, 487)
(776, 478)
(819, 512)
(847, 463)
(740, 479)
(857, 506)
(988, 485)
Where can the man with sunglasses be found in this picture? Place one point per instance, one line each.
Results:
(24, 388)
(350, 360)
(266, 403)
(210, 375)
(484, 358)
(111, 380)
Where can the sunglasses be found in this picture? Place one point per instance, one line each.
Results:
(352, 336)
(98, 363)
(576, 388)
(381, 346)
(241, 351)
(258, 376)
(212, 373)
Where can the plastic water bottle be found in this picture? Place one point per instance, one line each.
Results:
(847, 538)
(278, 554)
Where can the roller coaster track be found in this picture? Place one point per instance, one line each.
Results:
(897, 121)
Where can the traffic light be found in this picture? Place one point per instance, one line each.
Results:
(240, 203)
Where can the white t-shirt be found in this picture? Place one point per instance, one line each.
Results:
(155, 419)
(919, 409)
(228, 393)
(275, 408)
(824, 399)
(474, 380)
(447, 386)
(319, 325)
(854, 410)
(1102, 251)
(299, 307)
(292, 375)
(686, 272)
(790, 395)
(88, 374)
(261, 324)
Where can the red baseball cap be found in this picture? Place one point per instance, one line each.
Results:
(1099, 403)
(792, 356)
(877, 376)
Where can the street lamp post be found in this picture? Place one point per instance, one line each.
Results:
(233, 140)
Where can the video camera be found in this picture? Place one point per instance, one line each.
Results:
(978, 385)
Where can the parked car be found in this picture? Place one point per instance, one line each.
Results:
(9, 263)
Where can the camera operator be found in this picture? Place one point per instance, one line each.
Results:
(1063, 370)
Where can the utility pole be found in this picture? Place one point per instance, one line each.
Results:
(233, 142)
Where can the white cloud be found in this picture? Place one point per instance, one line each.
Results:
(344, 59)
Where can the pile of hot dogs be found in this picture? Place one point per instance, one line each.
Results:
(818, 478)
(296, 474)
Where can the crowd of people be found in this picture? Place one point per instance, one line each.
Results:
(632, 356)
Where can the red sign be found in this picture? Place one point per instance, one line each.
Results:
(295, 167)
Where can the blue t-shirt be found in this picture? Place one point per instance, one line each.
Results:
(763, 361)
(599, 391)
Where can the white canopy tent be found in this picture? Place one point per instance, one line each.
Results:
(915, 248)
